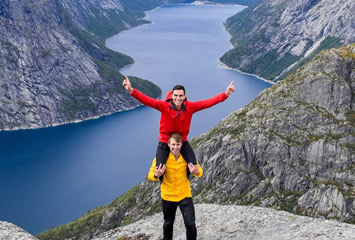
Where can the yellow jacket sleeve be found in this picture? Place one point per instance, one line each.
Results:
(201, 171)
(151, 172)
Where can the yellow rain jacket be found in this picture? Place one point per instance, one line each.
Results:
(175, 185)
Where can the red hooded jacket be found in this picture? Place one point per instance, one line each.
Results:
(171, 119)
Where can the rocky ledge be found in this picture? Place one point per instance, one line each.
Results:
(9, 231)
(221, 222)
(237, 222)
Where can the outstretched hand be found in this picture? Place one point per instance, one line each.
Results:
(193, 169)
(230, 89)
(127, 84)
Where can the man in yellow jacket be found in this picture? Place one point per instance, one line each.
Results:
(175, 188)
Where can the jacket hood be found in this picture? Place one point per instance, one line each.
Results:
(169, 95)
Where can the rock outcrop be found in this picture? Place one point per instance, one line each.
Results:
(272, 38)
(9, 231)
(292, 148)
(224, 222)
(220, 222)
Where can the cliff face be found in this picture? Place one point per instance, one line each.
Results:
(52, 72)
(291, 149)
(275, 36)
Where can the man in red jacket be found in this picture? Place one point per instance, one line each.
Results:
(176, 114)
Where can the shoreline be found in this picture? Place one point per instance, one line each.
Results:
(223, 65)
(70, 122)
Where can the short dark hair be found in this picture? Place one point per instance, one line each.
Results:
(178, 87)
(176, 136)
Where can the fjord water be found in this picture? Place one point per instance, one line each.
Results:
(51, 176)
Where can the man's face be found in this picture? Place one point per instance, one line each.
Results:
(174, 146)
(178, 97)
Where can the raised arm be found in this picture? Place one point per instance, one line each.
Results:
(146, 100)
(203, 104)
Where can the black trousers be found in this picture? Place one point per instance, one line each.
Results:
(163, 153)
(188, 212)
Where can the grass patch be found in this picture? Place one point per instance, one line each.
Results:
(79, 101)
(86, 224)
(350, 117)
(328, 42)
(288, 200)
(90, 223)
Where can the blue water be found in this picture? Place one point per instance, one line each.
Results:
(51, 176)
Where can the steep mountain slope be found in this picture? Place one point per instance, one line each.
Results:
(52, 72)
(107, 17)
(291, 149)
(272, 38)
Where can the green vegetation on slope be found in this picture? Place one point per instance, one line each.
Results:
(90, 222)
(252, 52)
(113, 21)
(265, 63)
(328, 42)
(241, 2)
(94, 221)
(79, 101)
(93, 44)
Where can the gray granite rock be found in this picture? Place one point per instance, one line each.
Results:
(292, 148)
(9, 231)
(238, 222)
